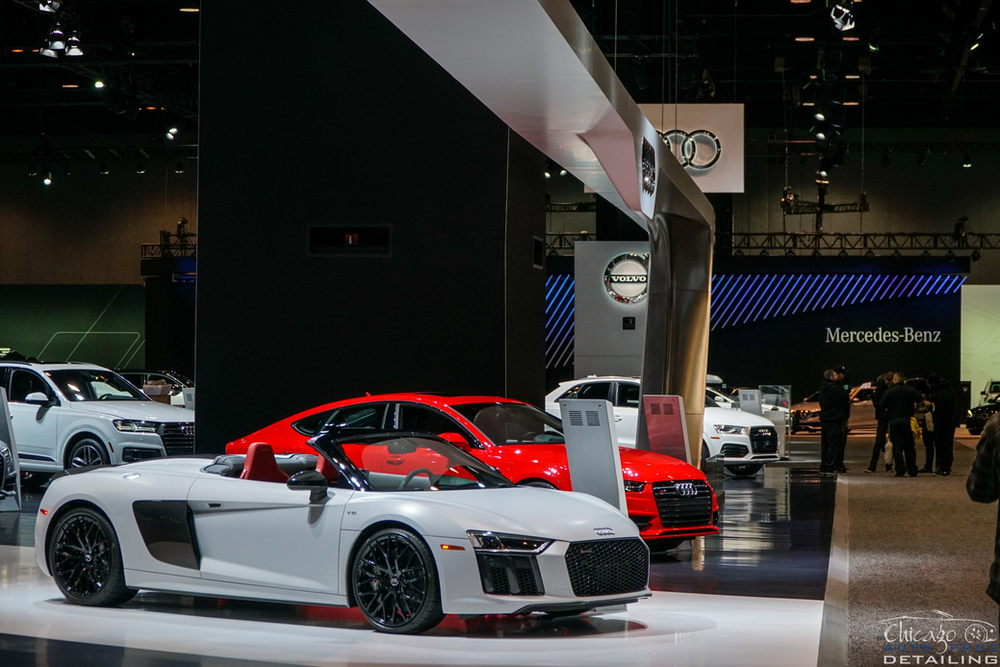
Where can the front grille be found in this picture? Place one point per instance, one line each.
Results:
(608, 567)
(683, 504)
(178, 438)
(764, 440)
(733, 451)
(509, 575)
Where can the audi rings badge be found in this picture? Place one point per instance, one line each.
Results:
(627, 277)
(700, 149)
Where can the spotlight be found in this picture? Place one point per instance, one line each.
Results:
(875, 43)
(790, 253)
(870, 254)
(976, 255)
(548, 174)
(103, 169)
(49, 6)
(179, 167)
(172, 133)
(820, 135)
(140, 168)
(32, 169)
(67, 168)
(98, 84)
(843, 254)
(967, 161)
(925, 255)
(73, 45)
(975, 42)
(763, 253)
(47, 52)
(823, 173)
(47, 177)
(896, 254)
(56, 38)
(738, 253)
(950, 256)
(843, 18)
(563, 172)
(817, 253)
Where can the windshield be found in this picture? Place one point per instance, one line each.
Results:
(87, 384)
(411, 463)
(183, 379)
(513, 423)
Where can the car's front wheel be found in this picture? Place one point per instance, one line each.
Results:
(395, 582)
(87, 452)
(86, 561)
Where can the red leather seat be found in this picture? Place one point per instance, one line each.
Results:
(260, 465)
(327, 469)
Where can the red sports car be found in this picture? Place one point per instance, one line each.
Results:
(668, 499)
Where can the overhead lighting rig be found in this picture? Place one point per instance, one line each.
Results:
(843, 15)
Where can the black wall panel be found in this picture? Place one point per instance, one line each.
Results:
(337, 118)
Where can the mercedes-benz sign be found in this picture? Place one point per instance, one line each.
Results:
(627, 277)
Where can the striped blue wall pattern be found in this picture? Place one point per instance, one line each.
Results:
(560, 308)
(742, 299)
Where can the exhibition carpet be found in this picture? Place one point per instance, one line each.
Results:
(919, 549)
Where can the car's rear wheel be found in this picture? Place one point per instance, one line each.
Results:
(745, 469)
(395, 582)
(86, 560)
(87, 452)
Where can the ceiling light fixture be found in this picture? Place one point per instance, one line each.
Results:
(967, 161)
(103, 169)
(73, 48)
(172, 134)
(843, 254)
(47, 52)
(870, 254)
(98, 84)
(47, 176)
(32, 169)
(67, 168)
(805, 39)
(57, 40)
(976, 255)
(49, 6)
(140, 168)
(843, 17)
(179, 167)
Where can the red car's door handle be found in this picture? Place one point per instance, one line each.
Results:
(394, 462)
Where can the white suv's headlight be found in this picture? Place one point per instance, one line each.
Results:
(485, 540)
(731, 429)
(134, 426)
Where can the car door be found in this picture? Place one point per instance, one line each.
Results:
(862, 409)
(265, 534)
(626, 408)
(35, 426)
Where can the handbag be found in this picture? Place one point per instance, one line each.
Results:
(929, 421)
(888, 451)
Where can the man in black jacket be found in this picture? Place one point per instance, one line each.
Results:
(884, 382)
(899, 402)
(983, 486)
(944, 414)
(834, 408)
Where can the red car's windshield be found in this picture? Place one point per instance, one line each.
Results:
(510, 423)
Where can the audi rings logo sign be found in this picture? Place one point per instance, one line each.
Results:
(700, 150)
(604, 531)
(627, 277)
(685, 489)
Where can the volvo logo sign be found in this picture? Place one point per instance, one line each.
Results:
(685, 489)
(699, 150)
(627, 277)
(604, 531)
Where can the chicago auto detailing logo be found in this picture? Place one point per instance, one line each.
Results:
(880, 335)
(627, 277)
(938, 638)
(700, 150)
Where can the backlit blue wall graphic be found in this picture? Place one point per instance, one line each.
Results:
(741, 299)
(745, 298)
(560, 293)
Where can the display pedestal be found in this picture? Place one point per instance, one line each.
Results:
(595, 465)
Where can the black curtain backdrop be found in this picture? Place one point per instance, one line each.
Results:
(337, 118)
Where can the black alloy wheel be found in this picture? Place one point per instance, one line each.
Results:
(86, 561)
(88, 452)
(395, 582)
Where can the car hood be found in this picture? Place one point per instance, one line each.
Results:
(568, 515)
(140, 410)
(735, 417)
(644, 466)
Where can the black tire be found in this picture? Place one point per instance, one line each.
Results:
(745, 469)
(87, 452)
(395, 583)
(704, 457)
(86, 561)
(538, 483)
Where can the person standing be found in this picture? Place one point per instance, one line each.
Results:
(834, 404)
(882, 429)
(983, 486)
(842, 377)
(944, 408)
(899, 402)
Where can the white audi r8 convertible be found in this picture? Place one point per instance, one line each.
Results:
(403, 525)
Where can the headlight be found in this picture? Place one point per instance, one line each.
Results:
(631, 486)
(731, 429)
(134, 426)
(484, 540)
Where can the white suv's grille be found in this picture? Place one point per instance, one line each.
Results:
(178, 438)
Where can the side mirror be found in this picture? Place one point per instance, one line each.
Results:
(37, 398)
(456, 439)
(312, 481)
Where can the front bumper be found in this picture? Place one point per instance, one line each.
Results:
(660, 511)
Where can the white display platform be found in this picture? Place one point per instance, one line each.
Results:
(667, 629)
